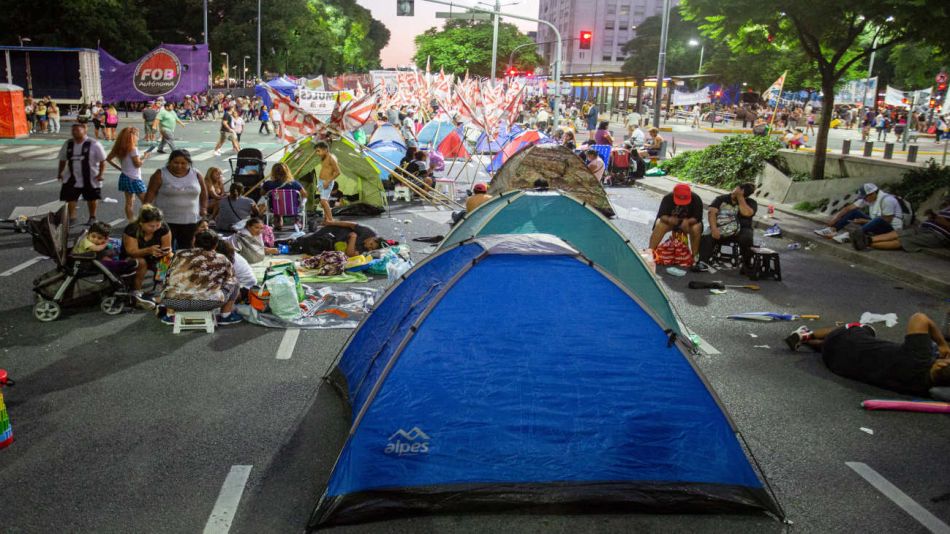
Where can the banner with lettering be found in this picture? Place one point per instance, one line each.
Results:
(168, 71)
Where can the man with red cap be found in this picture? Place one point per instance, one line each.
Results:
(479, 196)
(683, 210)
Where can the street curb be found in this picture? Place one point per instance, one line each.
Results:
(847, 253)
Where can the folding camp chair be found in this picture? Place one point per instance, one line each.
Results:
(604, 152)
(286, 203)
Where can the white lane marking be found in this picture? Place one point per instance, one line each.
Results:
(227, 504)
(201, 157)
(37, 151)
(44, 182)
(117, 221)
(24, 265)
(892, 492)
(286, 348)
(636, 215)
(16, 149)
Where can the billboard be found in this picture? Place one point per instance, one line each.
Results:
(168, 71)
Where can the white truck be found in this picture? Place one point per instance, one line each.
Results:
(67, 75)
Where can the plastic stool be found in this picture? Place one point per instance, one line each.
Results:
(765, 264)
(194, 320)
(447, 188)
(732, 257)
(402, 192)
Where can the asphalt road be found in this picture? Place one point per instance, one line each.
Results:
(123, 427)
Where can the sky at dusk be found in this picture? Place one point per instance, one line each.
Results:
(404, 29)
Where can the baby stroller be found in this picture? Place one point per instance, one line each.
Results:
(76, 280)
(621, 168)
(247, 169)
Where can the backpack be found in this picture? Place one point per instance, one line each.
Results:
(907, 211)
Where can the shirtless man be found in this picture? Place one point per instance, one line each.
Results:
(329, 170)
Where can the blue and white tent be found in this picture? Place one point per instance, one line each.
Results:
(387, 155)
(511, 371)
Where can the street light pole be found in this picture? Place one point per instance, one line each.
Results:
(29, 73)
(227, 70)
(244, 71)
(661, 66)
(494, 41)
(258, 40)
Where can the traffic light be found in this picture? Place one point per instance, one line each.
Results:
(529, 74)
(512, 72)
(940, 94)
(405, 8)
(585, 39)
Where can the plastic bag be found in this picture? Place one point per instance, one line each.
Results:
(397, 267)
(288, 269)
(283, 297)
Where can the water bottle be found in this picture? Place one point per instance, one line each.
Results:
(794, 246)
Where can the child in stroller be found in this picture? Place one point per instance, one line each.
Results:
(79, 278)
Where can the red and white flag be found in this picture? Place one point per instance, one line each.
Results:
(297, 123)
(356, 112)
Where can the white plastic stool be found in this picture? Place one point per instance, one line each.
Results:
(402, 192)
(194, 320)
(447, 188)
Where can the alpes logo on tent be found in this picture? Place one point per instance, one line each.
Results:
(412, 442)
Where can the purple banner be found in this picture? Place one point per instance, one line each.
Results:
(169, 71)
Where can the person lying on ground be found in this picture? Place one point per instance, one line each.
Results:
(200, 275)
(884, 215)
(680, 210)
(853, 351)
(249, 242)
(344, 236)
(934, 233)
(730, 222)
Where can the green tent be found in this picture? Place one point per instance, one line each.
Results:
(581, 225)
(359, 175)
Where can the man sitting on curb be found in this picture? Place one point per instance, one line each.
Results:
(933, 233)
(853, 351)
(680, 210)
(886, 215)
(730, 222)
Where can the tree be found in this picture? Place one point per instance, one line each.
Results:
(644, 49)
(835, 34)
(461, 46)
(916, 64)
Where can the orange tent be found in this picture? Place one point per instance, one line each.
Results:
(12, 116)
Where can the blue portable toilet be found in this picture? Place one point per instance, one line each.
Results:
(475, 386)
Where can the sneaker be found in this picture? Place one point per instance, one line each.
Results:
(142, 302)
(91, 221)
(231, 318)
(796, 338)
(773, 231)
(700, 267)
(826, 231)
(843, 237)
(860, 240)
(168, 319)
(217, 152)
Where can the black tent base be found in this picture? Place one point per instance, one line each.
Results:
(551, 498)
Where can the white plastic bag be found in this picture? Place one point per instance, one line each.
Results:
(283, 297)
(396, 268)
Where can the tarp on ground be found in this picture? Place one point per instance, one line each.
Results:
(359, 175)
(534, 407)
(558, 165)
(580, 224)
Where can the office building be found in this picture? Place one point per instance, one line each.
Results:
(611, 22)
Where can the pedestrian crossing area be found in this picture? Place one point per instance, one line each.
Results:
(48, 152)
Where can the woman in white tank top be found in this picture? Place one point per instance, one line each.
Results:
(179, 190)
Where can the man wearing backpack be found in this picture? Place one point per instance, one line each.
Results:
(884, 214)
(730, 222)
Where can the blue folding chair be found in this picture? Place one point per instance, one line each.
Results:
(604, 152)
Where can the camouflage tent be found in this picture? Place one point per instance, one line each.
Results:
(560, 167)
(359, 176)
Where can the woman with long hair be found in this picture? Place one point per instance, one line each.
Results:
(282, 178)
(147, 239)
(130, 164)
(112, 122)
(214, 183)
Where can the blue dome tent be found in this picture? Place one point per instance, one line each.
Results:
(387, 155)
(434, 132)
(535, 407)
(281, 85)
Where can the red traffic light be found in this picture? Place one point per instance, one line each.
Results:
(513, 72)
(529, 74)
(942, 87)
(585, 39)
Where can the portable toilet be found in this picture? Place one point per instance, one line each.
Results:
(12, 115)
